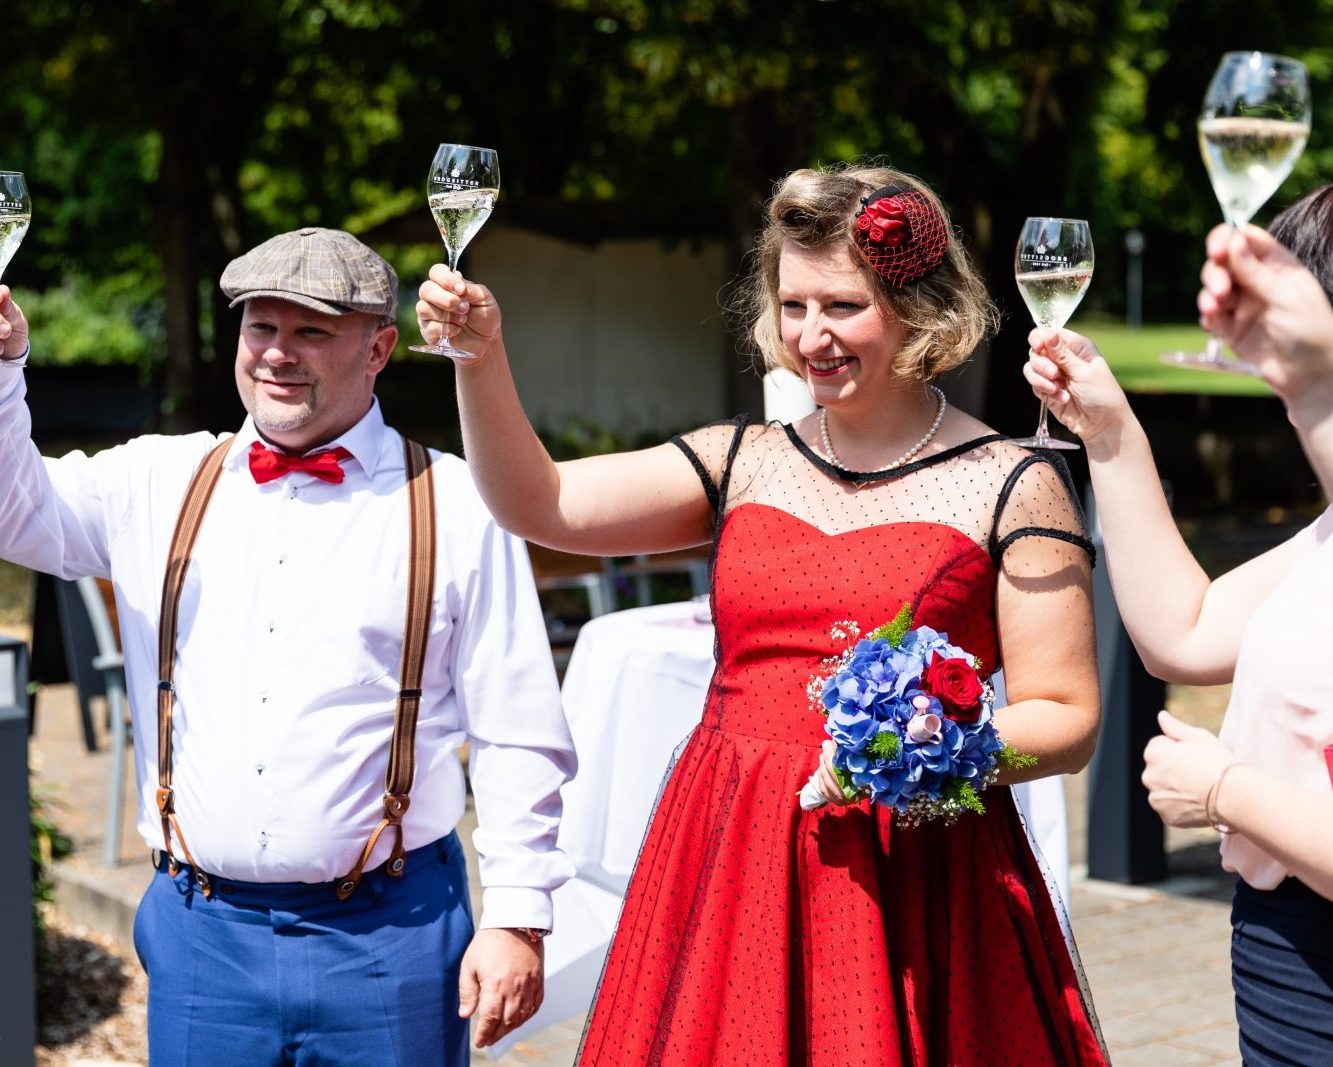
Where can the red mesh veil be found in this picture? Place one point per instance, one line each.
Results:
(901, 233)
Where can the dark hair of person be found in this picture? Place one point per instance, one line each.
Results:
(1305, 229)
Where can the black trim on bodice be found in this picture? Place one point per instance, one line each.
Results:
(995, 545)
(716, 493)
(710, 490)
(1078, 540)
(1056, 463)
(742, 421)
(860, 478)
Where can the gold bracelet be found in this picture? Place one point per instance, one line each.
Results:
(1210, 799)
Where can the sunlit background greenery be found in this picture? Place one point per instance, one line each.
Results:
(162, 137)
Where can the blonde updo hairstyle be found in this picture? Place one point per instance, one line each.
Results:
(944, 315)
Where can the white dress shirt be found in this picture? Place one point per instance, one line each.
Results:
(288, 649)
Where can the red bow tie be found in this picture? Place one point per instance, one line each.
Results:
(266, 464)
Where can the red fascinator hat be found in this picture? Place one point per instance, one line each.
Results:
(901, 233)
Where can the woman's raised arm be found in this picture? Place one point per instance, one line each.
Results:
(1186, 628)
(645, 501)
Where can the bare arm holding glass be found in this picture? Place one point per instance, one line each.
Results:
(1275, 314)
(1185, 627)
(631, 502)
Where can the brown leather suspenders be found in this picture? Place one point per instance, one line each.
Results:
(421, 585)
(402, 748)
(178, 560)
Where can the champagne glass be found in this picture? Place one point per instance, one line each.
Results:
(1254, 123)
(15, 214)
(1052, 266)
(462, 188)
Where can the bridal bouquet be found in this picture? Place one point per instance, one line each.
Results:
(912, 718)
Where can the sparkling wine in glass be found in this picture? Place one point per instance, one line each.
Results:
(15, 214)
(1253, 126)
(461, 190)
(1052, 266)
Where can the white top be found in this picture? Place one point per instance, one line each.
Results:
(289, 641)
(1281, 713)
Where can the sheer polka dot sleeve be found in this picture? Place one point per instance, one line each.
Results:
(1038, 499)
(711, 450)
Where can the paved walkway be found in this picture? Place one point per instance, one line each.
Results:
(1156, 958)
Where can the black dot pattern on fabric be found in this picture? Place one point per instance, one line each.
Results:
(754, 933)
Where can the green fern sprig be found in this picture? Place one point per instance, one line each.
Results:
(1010, 759)
(885, 746)
(893, 631)
(962, 793)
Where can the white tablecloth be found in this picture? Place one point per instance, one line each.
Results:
(633, 691)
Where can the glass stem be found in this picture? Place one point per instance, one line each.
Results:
(451, 261)
(1213, 353)
(1042, 433)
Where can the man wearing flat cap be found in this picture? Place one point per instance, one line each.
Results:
(316, 614)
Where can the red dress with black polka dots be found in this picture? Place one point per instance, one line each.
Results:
(755, 933)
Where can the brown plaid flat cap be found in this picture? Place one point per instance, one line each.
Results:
(324, 270)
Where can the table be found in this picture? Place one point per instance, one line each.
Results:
(634, 689)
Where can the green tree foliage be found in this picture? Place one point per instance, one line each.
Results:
(162, 137)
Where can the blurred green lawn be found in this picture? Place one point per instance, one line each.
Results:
(1134, 356)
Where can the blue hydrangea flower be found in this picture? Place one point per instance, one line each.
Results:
(873, 693)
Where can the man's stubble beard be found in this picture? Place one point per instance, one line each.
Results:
(282, 418)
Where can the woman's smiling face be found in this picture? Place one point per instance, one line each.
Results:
(839, 340)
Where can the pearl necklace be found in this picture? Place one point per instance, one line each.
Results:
(832, 456)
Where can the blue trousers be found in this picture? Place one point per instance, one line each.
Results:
(286, 974)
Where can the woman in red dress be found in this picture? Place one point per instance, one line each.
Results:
(754, 932)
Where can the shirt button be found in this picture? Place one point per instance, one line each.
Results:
(271, 625)
(263, 839)
(259, 768)
(291, 492)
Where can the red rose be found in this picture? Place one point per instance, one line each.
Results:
(886, 220)
(895, 233)
(955, 684)
(887, 208)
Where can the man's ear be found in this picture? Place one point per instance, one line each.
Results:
(381, 347)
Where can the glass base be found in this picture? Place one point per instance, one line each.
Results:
(442, 349)
(1203, 361)
(1046, 441)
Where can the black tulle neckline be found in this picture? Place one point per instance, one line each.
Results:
(860, 477)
